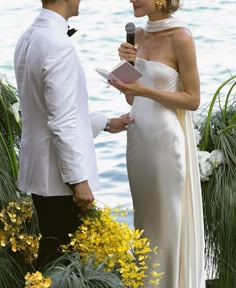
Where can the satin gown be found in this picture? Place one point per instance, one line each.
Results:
(164, 181)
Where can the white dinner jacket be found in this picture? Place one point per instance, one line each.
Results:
(57, 139)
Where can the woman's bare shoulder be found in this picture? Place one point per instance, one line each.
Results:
(182, 34)
(139, 34)
(139, 30)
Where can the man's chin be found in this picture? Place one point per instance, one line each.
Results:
(75, 14)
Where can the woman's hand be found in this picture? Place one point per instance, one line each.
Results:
(128, 52)
(130, 90)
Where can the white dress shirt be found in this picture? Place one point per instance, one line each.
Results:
(57, 139)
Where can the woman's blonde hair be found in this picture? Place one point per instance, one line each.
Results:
(168, 6)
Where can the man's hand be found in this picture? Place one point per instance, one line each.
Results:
(82, 195)
(120, 124)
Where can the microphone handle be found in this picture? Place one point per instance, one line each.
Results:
(130, 40)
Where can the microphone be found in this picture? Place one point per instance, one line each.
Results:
(130, 28)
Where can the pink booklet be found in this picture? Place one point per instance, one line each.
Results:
(123, 71)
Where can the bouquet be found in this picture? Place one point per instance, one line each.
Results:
(115, 245)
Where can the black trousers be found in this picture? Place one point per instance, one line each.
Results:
(57, 216)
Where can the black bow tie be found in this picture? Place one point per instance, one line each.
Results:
(71, 31)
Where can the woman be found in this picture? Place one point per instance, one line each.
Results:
(161, 150)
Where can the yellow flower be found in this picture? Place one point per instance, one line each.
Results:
(13, 220)
(3, 239)
(115, 245)
(36, 280)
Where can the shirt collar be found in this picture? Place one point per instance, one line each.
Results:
(51, 19)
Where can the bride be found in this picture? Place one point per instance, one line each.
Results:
(161, 151)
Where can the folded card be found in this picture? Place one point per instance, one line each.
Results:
(123, 71)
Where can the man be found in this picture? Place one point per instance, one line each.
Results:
(57, 160)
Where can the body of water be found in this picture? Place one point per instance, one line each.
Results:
(100, 31)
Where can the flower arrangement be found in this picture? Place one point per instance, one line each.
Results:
(216, 140)
(13, 221)
(115, 245)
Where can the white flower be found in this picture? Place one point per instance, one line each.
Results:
(208, 162)
(216, 158)
(205, 166)
(14, 109)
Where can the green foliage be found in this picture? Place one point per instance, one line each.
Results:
(69, 272)
(10, 132)
(219, 193)
(13, 270)
(227, 113)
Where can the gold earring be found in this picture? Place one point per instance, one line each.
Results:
(159, 4)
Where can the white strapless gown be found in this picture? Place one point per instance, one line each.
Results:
(165, 183)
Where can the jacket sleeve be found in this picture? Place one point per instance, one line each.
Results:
(61, 77)
(98, 122)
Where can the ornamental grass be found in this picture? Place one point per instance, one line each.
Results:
(218, 133)
(10, 133)
(69, 271)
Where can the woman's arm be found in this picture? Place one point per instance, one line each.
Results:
(188, 97)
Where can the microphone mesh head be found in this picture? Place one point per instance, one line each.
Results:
(130, 27)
